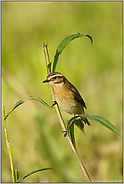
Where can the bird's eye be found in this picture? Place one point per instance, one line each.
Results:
(55, 77)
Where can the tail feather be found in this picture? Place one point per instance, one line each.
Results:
(86, 121)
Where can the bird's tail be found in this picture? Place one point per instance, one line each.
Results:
(86, 121)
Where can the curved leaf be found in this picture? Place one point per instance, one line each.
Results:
(80, 125)
(106, 123)
(16, 105)
(99, 119)
(32, 172)
(77, 122)
(63, 44)
(22, 101)
(71, 128)
(41, 101)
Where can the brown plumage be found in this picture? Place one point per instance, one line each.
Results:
(66, 95)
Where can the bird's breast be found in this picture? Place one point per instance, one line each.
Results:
(66, 101)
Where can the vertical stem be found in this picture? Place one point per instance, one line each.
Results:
(8, 146)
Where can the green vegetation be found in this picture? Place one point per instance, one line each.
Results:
(34, 132)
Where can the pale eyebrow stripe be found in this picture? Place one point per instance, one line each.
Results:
(55, 75)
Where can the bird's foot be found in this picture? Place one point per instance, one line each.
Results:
(65, 133)
(55, 103)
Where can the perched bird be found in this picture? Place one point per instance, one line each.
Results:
(66, 95)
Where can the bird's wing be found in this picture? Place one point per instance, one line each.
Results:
(77, 95)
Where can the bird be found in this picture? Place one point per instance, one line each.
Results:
(66, 95)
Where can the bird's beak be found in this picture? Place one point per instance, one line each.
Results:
(46, 81)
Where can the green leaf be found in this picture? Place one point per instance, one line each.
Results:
(41, 101)
(70, 128)
(79, 124)
(99, 119)
(72, 135)
(103, 121)
(32, 172)
(16, 105)
(22, 101)
(107, 124)
(69, 123)
(63, 44)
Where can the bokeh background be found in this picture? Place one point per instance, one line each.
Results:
(34, 131)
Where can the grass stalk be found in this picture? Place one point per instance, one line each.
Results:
(9, 148)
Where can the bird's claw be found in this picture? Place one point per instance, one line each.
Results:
(55, 103)
(65, 133)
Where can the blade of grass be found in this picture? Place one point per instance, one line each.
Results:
(22, 101)
(32, 172)
(63, 44)
(72, 134)
(41, 101)
(80, 125)
(99, 119)
(16, 105)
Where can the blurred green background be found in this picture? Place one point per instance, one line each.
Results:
(95, 69)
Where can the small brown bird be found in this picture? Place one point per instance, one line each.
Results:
(66, 95)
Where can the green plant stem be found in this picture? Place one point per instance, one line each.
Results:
(9, 149)
(45, 49)
(62, 123)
